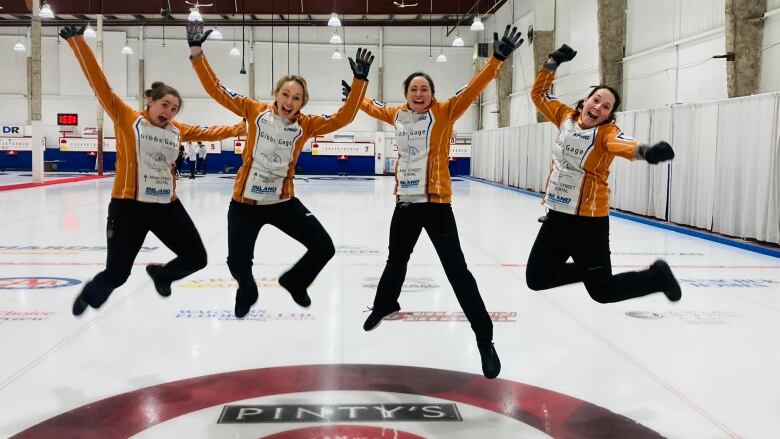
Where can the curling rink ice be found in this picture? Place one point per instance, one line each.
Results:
(150, 367)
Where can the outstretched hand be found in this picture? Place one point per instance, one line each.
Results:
(345, 89)
(660, 152)
(195, 35)
(361, 64)
(71, 31)
(563, 54)
(507, 44)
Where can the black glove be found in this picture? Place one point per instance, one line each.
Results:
(71, 31)
(563, 54)
(361, 64)
(660, 152)
(345, 89)
(195, 34)
(509, 42)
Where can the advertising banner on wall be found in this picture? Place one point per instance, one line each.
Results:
(19, 143)
(213, 147)
(81, 144)
(341, 148)
(12, 131)
(460, 150)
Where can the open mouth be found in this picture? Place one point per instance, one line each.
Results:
(591, 115)
(163, 120)
(418, 102)
(286, 109)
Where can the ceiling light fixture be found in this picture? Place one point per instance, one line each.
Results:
(194, 11)
(89, 32)
(334, 20)
(46, 11)
(477, 24)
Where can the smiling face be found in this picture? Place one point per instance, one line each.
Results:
(597, 108)
(419, 94)
(289, 99)
(162, 110)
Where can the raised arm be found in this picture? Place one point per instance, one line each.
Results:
(551, 108)
(372, 107)
(191, 133)
(226, 97)
(347, 112)
(114, 106)
(502, 49)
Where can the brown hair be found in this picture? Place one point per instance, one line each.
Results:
(615, 94)
(295, 78)
(160, 89)
(409, 78)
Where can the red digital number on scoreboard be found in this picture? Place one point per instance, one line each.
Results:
(68, 119)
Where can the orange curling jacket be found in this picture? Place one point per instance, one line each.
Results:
(422, 171)
(273, 146)
(145, 153)
(577, 183)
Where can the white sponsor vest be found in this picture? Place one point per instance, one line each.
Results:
(156, 151)
(572, 147)
(412, 132)
(271, 157)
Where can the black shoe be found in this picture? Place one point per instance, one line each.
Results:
(300, 296)
(245, 298)
(80, 304)
(491, 365)
(377, 315)
(669, 284)
(163, 288)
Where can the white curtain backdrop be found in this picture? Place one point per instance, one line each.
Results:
(747, 168)
(693, 168)
(725, 176)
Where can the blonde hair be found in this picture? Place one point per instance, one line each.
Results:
(295, 78)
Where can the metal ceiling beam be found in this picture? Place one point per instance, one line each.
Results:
(228, 22)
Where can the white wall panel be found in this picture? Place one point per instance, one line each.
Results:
(649, 80)
(14, 110)
(576, 25)
(649, 24)
(50, 83)
(702, 78)
(171, 64)
(523, 74)
(770, 62)
(15, 66)
(697, 16)
(72, 81)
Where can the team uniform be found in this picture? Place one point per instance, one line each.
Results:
(423, 193)
(143, 197)
(264, 192)
(577, 196)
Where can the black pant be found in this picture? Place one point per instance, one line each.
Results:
(409, 219)
(128, 223)
(586, 241)
(192, 165)
(292, 218)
